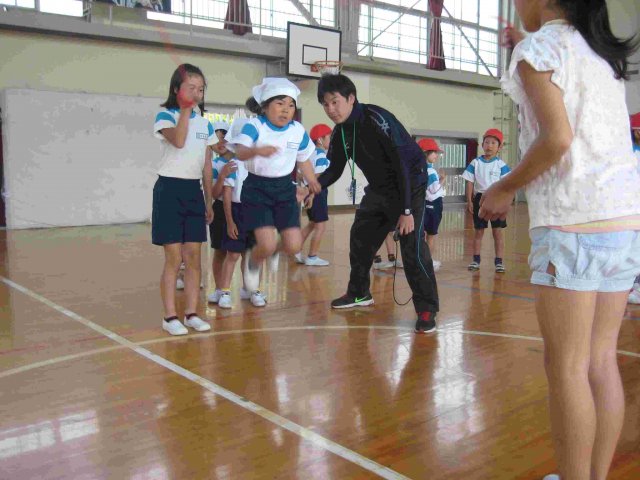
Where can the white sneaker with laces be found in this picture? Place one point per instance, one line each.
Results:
(245, 294)
(197, 324)
(315, 262)
(299, 258)
(182, 266)
(251, 275)
(214, 297)
(553, 476)
(258, 299)
(174, 327)
(436, 265)
(273, 261)
(225, 300)
(179, 284)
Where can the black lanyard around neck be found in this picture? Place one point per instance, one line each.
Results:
(351, 160)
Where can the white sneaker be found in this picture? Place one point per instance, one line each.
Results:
(197, 324)
(634, 297)
(182, 266)
(258, 299)
(225, 300)
(553, 476)
(382, 265)
(315, 262)
(214, 297)
(299, 258)
(436, 265)
(179, 284)
(251, 275)
(273, 261)
(174, 327)
(245, 294)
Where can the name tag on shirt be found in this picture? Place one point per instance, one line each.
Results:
(293, 145)
(202, 136)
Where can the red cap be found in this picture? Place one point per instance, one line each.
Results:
(319, 131)
(428, 145)
(494, 132)
(635, 121)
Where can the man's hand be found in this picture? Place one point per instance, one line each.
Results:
(495, 202)
(405, 224)
(315, 187)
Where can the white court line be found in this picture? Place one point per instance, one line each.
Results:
(154, 341)
(272, 417)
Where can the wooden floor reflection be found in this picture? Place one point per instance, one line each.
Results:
(468, 402)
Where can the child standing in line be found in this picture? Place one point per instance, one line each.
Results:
(222, 169)
(582, 185)
(435, 192)
(236, 239)
(271, 144)
(180, 212)
(318, 214)
(480, 174)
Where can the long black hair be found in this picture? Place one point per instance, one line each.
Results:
(591, 19)
(179, 76)
(258, 108)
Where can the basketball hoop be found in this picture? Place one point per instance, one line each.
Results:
(327, 67)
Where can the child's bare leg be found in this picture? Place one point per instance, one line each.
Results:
(316, 239)
(604, 377)
(191, 255)
(566, 319)
(172, 261)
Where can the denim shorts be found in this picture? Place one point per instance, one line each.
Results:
(601, 262)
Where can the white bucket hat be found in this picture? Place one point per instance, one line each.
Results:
(273, 87)
(221, 125)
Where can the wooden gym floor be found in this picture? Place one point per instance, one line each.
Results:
(91, 387)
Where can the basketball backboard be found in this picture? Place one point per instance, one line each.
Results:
(307, 45)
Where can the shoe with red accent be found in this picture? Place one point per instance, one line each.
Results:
(426, 322)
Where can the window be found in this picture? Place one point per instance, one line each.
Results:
(400, 30)
(268, 17)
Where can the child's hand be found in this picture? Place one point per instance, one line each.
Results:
(301, 193)
(511, 37)
(442, 174)
(209, 214)
(265, 151)
(228, 169)
(185, 99)
(232, 231)
(495, 202)
(308, 202)
(470, 207)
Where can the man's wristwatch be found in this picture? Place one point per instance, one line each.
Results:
(406, 211)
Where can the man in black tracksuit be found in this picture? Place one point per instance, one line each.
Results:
(393, 164)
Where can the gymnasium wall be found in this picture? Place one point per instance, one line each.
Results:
(58, 64)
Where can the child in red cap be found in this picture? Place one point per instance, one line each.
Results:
(435, 192)
(480, 174)
(318, 212)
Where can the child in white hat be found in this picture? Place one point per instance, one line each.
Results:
(270, 145)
